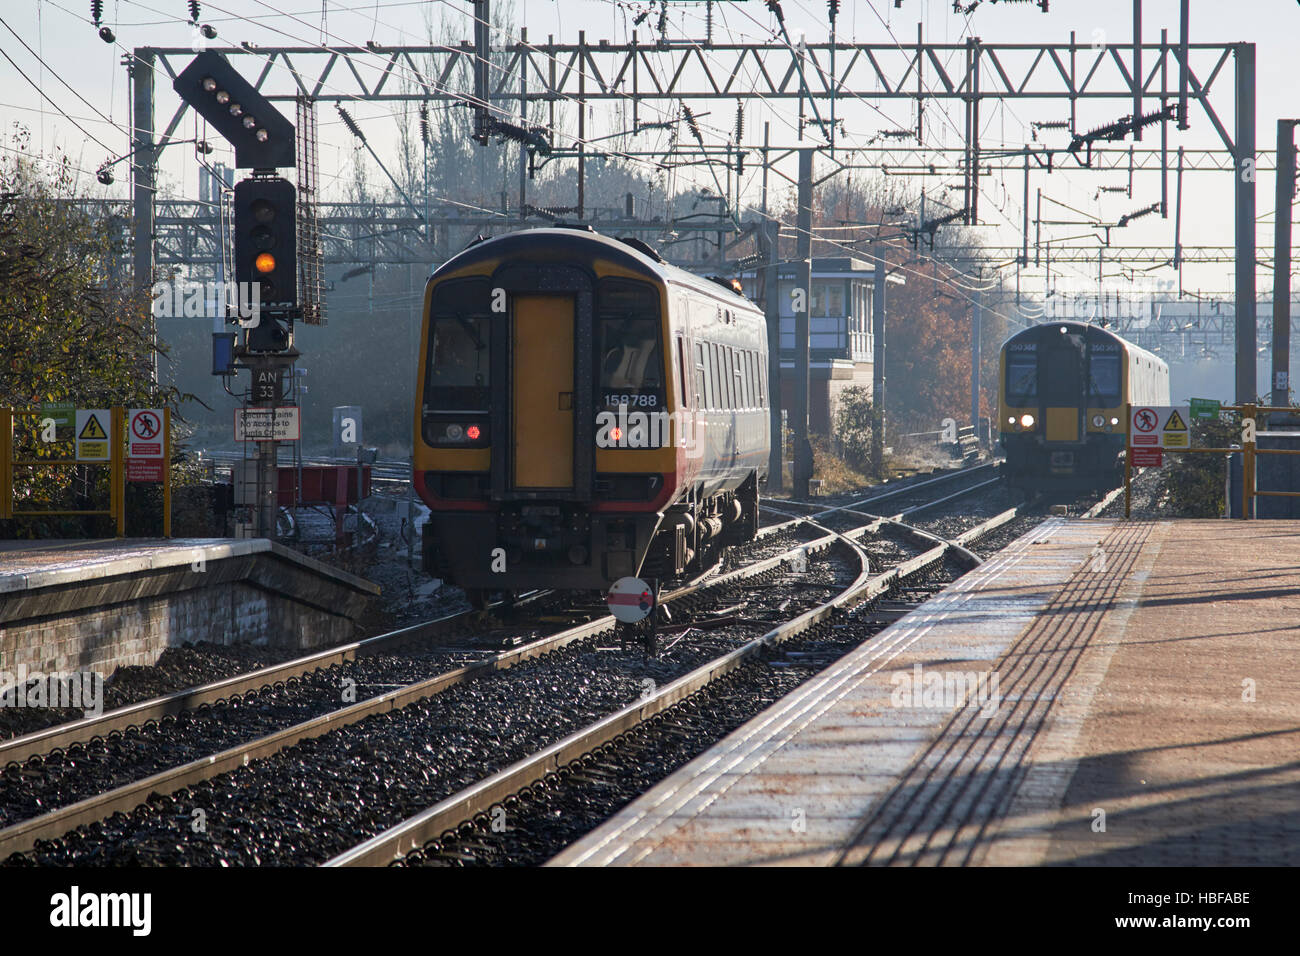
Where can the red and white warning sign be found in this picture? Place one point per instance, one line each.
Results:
(1160, 426)
(630, 600)
(144, 433)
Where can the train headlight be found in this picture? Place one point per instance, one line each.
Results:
(1098, 421)
(1114, 421)
(455, 432)
(1011, 420)
(1026, 421)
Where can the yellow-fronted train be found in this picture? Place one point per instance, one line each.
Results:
(584, 412)
(1063, 388)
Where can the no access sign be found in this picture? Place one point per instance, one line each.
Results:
(1159, 426)
(144, 433)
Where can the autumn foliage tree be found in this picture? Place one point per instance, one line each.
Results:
(69, 330)
(929, 317)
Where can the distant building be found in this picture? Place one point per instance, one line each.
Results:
(841, 344)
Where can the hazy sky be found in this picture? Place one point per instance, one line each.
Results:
(61, 34)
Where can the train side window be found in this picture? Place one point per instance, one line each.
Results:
(701, 395)
(731, 377)
(715, 396)
(679, 350)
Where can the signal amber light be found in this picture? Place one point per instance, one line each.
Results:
(265, 262)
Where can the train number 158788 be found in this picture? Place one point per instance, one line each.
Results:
(650, 400)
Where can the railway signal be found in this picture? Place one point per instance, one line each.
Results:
(262, 137)
(266, 259)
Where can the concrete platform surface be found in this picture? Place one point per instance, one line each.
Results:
(38, 564)
(104, 604)
(1099, 693)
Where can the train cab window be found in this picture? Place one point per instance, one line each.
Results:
(1103, 379)
(459, 359)
(1022, 378)
(628, 354)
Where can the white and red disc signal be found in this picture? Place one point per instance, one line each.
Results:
(630, 600)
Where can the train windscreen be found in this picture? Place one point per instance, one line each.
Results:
(1104, 377)
(1022, 377)
(628, 354)
(458, 373)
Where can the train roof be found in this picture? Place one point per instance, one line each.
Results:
(586, 242)
(1096, 331)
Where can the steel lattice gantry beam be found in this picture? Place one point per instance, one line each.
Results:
(641, 74)
(188, 234)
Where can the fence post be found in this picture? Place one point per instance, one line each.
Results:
(167, 472)
(6, 462)
(117, 471)
(1249, 414)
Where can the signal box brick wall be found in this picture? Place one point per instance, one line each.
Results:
(246, 593)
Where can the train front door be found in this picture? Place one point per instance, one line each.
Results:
(543, 392)
(1061, 385)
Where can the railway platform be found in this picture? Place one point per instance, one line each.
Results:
(102, 604)
(1100, 692)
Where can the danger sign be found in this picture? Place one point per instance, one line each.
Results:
(92, 434)
(144, 433)
(1160, 426)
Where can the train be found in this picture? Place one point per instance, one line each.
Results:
(585, 412)
(1063, 388)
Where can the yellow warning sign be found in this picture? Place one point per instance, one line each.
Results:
(1176, 441)
(93, 431)
(1175, 424)
(92, 437)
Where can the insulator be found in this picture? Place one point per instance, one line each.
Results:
(96, 11)
(351, 124)
(834, 7)
(424, 124)
(194, 11)
(775, 7)
(740, 120)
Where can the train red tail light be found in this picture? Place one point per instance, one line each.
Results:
(473, 432)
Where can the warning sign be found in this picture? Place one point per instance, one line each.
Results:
(1160, 426)
(144, 433)
(144, 469)
(92, 434)
(268, 424)
(1146, 457)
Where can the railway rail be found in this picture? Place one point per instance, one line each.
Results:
(23, 753)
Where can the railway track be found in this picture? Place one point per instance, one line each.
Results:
(440, 832)
(58, 745)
